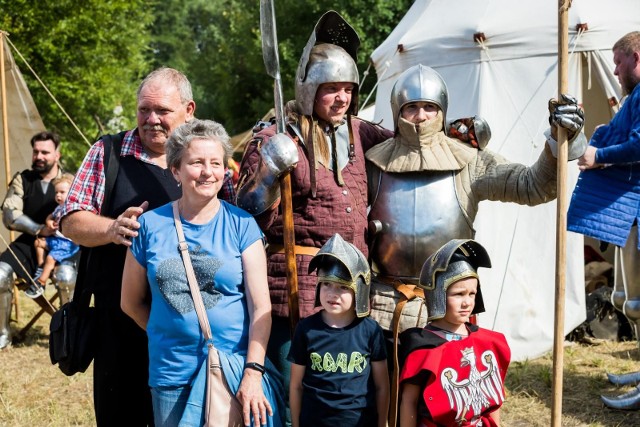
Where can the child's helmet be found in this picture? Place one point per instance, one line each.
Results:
(456, 260)
(341, 262)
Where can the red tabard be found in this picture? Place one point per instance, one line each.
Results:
(465, 378)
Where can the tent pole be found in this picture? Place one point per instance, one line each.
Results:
(561, 219)
(5, 121)
(5, 125)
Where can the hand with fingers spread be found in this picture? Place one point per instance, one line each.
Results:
(125, 226)
(251, 396)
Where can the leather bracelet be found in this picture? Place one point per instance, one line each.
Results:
(255, 366)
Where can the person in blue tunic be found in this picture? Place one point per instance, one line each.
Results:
(605, 204)
(228, 256)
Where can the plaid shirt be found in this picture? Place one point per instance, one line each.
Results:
(87, 191)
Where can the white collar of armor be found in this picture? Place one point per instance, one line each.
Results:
(421, 148)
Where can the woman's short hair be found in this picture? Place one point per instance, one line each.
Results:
(180, 139)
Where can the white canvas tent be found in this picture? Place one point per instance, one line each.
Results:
(23, 121)
(499, 59)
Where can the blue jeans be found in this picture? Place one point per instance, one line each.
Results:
(168, 404)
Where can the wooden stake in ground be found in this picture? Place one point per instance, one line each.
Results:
(561, 218)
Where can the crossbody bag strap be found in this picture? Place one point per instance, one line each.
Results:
(191, 277)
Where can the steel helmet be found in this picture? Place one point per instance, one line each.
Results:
(329, 56)
(456, 260)
(340, 261)
(419, 83)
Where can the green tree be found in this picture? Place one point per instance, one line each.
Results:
(90, 54)
(217, 44)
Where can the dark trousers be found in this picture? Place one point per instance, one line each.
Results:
(121, 392)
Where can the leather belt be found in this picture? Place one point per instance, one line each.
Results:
(408, 292)
(298, 250)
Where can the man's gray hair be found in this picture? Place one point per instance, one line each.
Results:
(180, 139)
(172, 76)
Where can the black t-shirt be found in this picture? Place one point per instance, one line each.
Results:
(338, 366)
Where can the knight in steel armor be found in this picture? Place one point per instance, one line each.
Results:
(604, 204)
(425, 187)
(29, 200)
(453, 371)
(439, 180)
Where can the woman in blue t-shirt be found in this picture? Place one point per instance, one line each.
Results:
(228, 257)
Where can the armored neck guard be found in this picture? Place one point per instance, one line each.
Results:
(421, 148)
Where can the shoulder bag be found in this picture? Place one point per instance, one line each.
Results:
(222, 408)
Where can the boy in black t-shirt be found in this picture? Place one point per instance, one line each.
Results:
(338, 359)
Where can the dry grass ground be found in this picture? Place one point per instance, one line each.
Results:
(35, 393)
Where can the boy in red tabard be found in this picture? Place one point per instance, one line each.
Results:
(453, 371)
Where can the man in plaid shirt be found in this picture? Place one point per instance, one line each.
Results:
(165, 101)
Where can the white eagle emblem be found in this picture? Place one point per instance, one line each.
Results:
(475, 391)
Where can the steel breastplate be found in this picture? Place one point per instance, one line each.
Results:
(418, 212)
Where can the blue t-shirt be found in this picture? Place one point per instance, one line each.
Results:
(176, 343)
(337, 362)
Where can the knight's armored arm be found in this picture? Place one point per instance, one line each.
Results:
(568, 114)
(495, 178)
(260, 190)
(13, 216)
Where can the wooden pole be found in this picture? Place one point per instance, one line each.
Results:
(561, 219)
(271, 59)
(5, 121)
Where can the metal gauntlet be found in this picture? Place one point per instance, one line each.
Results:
(474, 130)
(22, 223)
(568, 114)
(278, 155)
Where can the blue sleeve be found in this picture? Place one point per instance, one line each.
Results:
(139, 243)
(249, 230)
(628, 150)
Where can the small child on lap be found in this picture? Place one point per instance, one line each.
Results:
(56, 248)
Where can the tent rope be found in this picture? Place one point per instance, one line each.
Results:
(48, 91)
(387, 66)
(485, 48)
(574, 43)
